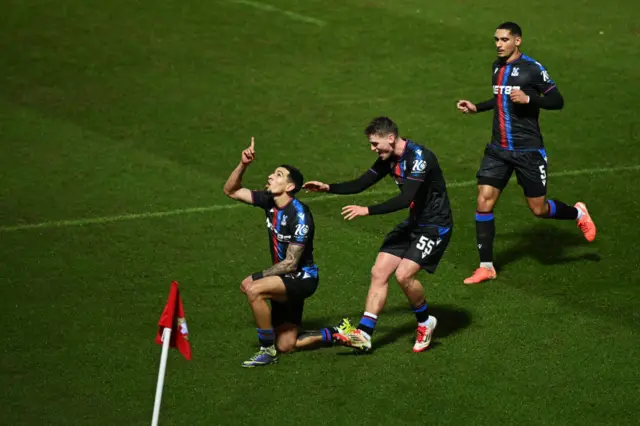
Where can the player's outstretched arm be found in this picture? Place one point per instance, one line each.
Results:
(233, 187)
(401, 201)
(468, 107)
(369, 178)
(315, 186)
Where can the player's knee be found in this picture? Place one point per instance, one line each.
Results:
(404, 278)
(379, 274)
(485, 204)
(253, 294)
(539, 210)
(487, 197)
(285, 347)
(286, 344)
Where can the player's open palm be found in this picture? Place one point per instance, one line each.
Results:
(351, 212)
(315, 186)
(467, 107)
(249, 154)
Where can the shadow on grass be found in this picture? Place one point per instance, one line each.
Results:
(546, 244)
(451, 320)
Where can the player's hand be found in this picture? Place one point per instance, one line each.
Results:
(315, 186)
(246, 283)
(519, 97)
(351, 212)
(466, 107)
(249, 154)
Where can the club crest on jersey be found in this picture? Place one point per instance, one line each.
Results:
(515, 72)
(504, 90)
(284, 220)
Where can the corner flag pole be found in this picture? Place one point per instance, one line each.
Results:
(166, 339)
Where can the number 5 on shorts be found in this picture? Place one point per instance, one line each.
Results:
(543, 174)
(425, 245)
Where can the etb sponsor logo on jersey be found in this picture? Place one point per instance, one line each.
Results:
(504, 90)
(280, 237)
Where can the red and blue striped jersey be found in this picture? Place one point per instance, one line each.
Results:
(291, 224)
(515, 126)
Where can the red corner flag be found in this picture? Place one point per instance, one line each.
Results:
(173, 317)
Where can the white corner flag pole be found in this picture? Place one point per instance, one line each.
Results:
(166, 339)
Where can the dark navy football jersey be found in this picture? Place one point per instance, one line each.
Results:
(430, 205)
(292, 224)
(515, 126)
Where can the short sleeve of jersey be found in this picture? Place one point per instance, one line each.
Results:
(301, 227)
(260, 199)
(417, 165)
(540, 78)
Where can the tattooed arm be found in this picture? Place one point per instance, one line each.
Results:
(289, 264)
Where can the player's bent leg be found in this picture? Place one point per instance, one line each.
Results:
(555, 209)
(538, 206)
(381, 271)
(266, 288)
(551, 209)
(257, 295)
(531, 172)
(406, 276)
(286, 337)
(488, 195)
(310, 339)
(360, 337)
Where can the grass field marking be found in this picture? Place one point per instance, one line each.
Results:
(205, 209)
(293, 15)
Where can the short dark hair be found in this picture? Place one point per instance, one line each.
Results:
(381, 126)
(295, 177)
(512, 27)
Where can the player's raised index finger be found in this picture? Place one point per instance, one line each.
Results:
(253, 142)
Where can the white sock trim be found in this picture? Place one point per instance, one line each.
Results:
(369, 314)
(488, 265)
